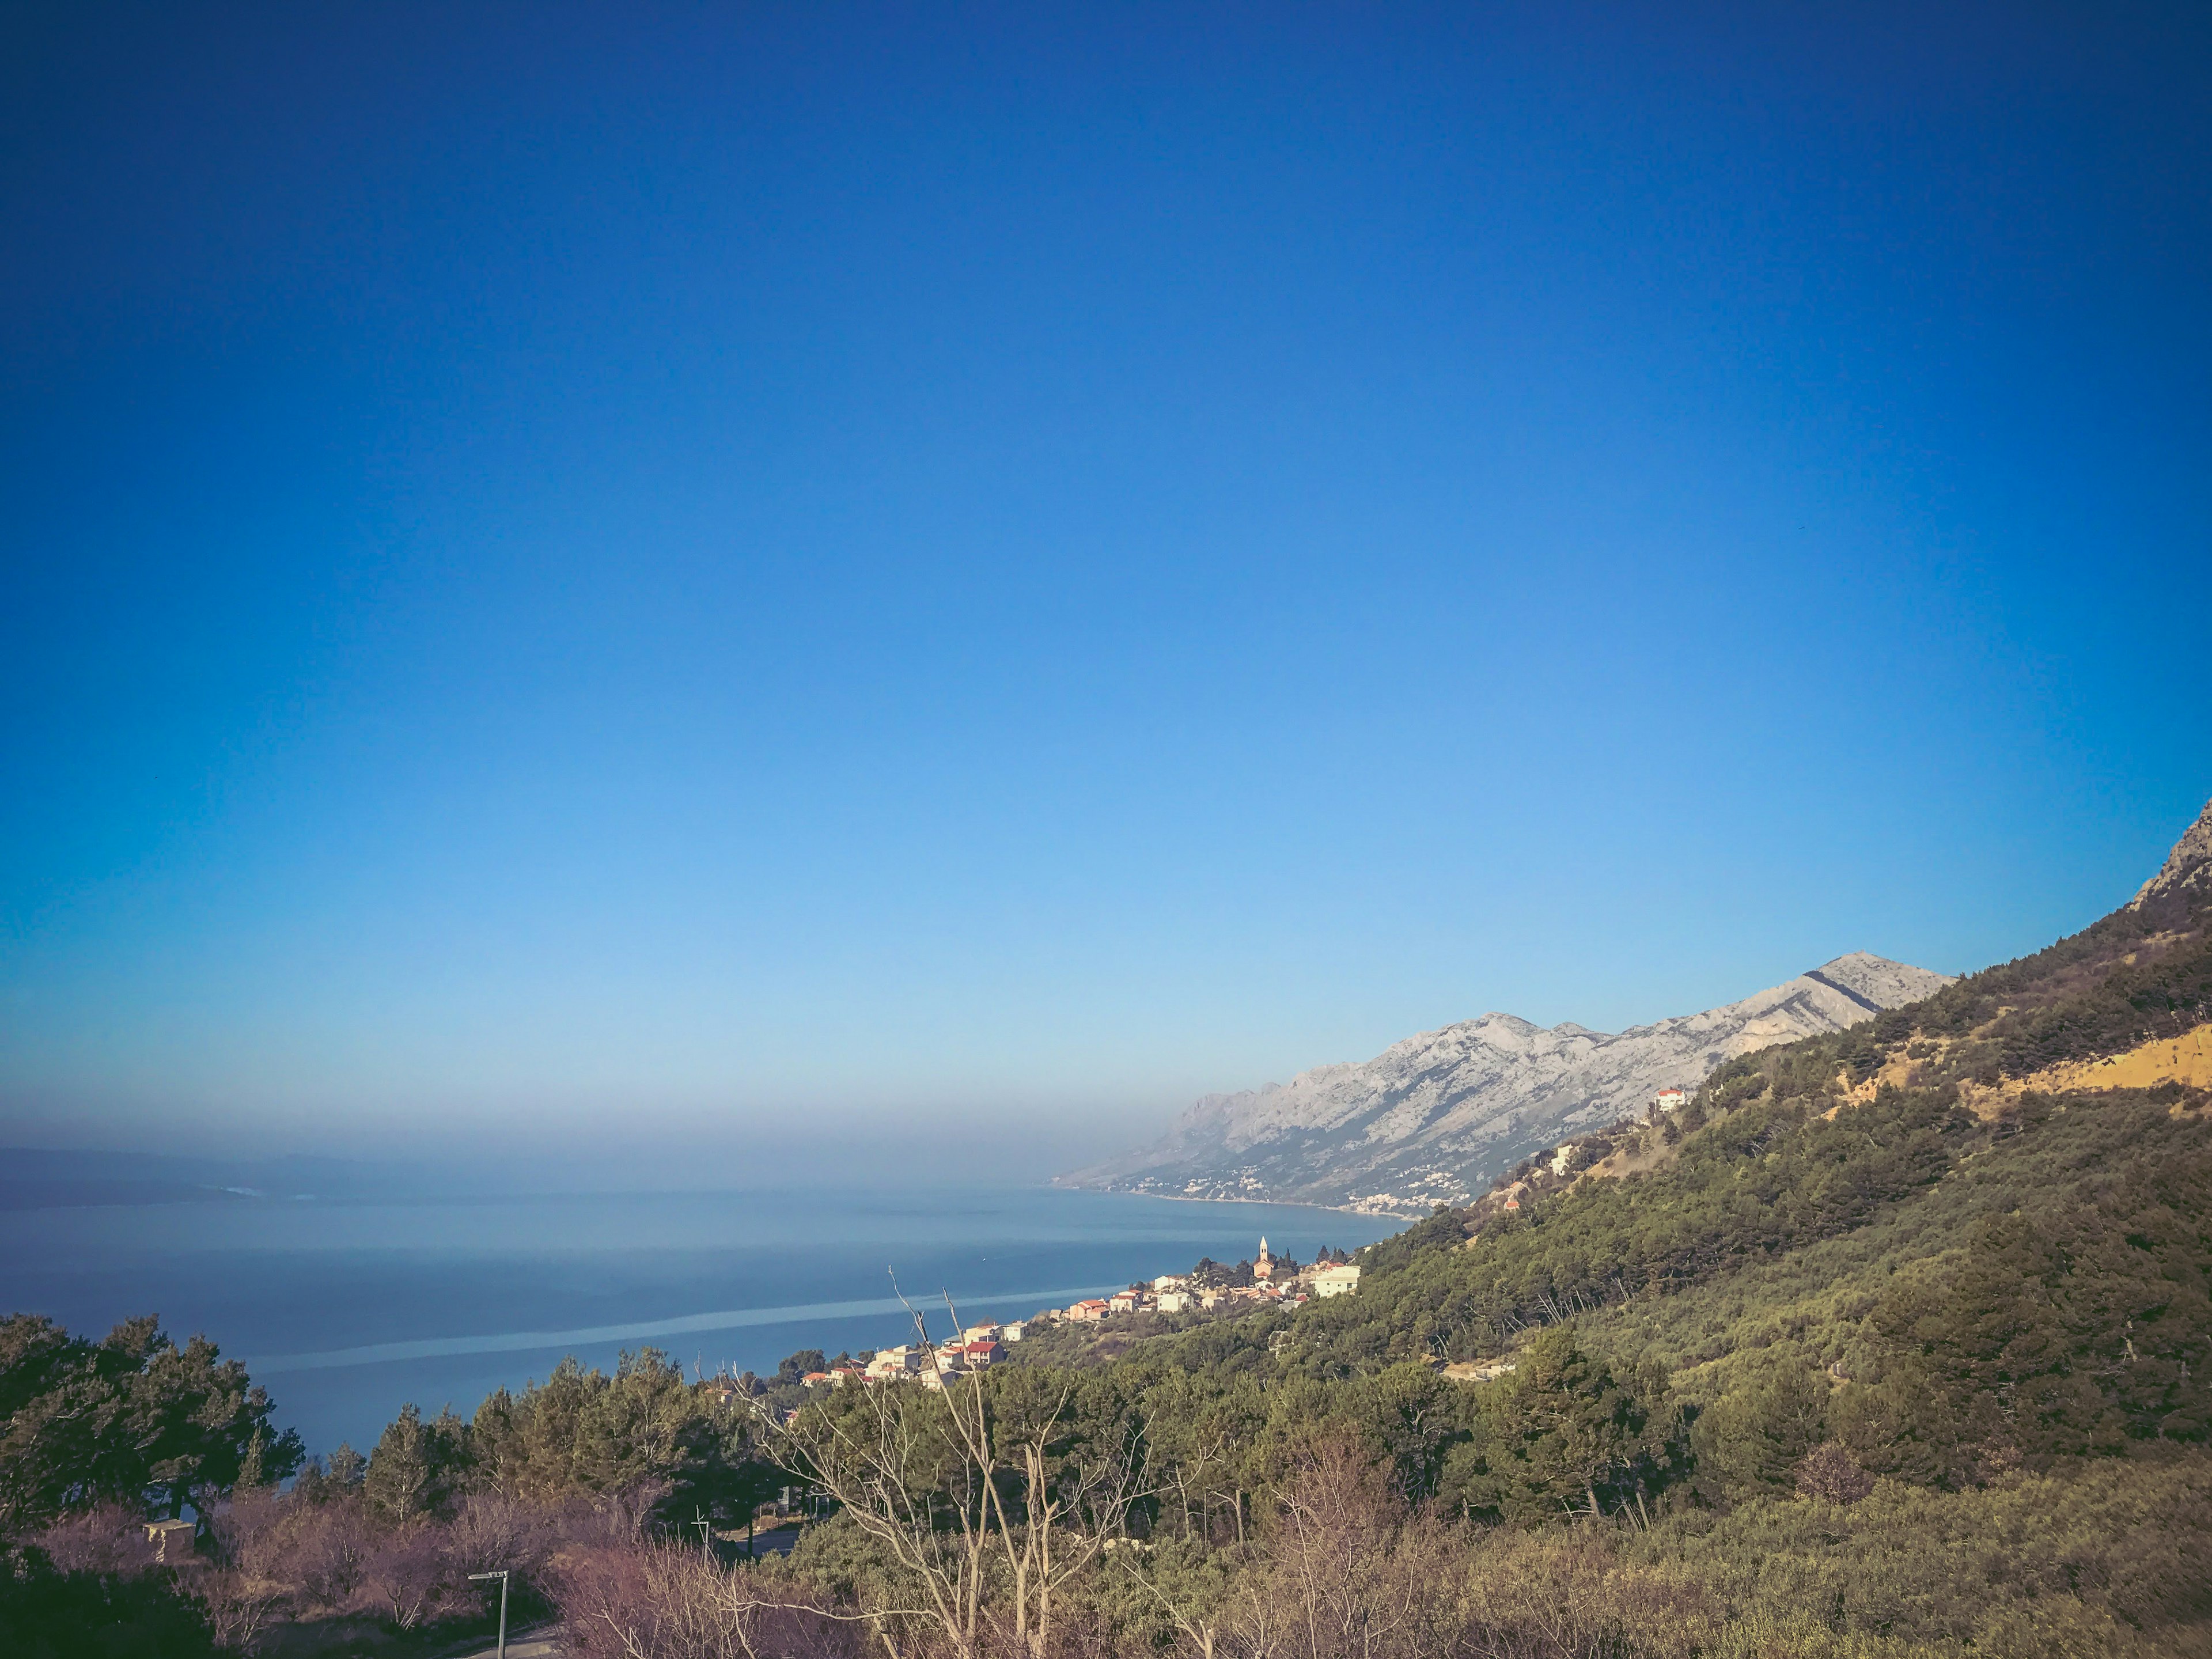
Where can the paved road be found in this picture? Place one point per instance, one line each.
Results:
(537, 1644)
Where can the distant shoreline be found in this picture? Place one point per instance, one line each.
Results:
(1281, 1203)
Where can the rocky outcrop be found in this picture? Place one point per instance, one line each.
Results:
(2186, 878)
(1436, 1119)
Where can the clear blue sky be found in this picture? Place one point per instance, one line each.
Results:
(596, 573)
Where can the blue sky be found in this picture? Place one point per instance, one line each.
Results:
(620, 574)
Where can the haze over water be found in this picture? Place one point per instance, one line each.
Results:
(347, 1308)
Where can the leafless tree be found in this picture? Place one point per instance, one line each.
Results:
(240, 1608)
(494, 1529)
(331, 1554)
(1351, 1573)
(1069, 1499)
(108, 1537)
(658, 1601)
(405, 1572)
(964, 1496)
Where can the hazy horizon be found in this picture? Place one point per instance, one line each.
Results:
(744, 592)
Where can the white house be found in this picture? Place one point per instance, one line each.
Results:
(1671, 1100)
(1339, 1278)
(1174, 1301)
(895, 1362)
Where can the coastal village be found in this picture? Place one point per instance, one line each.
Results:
(1209, 1289)
(1093, 1327)
(1266, 1281)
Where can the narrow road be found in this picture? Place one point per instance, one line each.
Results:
(531, 1644)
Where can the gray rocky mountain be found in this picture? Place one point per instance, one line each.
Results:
(2186, 875)
(1436, 1119)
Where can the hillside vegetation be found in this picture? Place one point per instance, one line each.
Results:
(1880, 1346)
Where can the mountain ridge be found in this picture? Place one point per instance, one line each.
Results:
(1436, 1116)
(2186, 878)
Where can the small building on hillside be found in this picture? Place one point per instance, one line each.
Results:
(1011, 1330)
(1126, 1301)
(1338, 1279)
(1089, 1311)
(1671, 1100)
(1174, 1301)
(894, 1362)
(172, 1541)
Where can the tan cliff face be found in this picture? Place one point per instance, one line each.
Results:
(2186, 1058)
(2144, 962)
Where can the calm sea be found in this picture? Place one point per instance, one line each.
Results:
(346, 1309)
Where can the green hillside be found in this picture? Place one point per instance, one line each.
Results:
(1882, 1268)
(1895, 1341)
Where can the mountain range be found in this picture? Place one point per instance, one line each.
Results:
(1437, 1118)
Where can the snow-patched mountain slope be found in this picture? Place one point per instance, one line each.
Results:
(1435, 1119)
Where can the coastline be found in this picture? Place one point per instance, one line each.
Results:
(1057, 1185)
(354, 1306)
(377, 1354)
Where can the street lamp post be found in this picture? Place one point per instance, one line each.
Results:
(475, 1577)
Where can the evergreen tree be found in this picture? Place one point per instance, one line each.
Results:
(415, 1464)
(1563, 1436)
(131, 1416)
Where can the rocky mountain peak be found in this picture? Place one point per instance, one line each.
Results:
(2186, 875)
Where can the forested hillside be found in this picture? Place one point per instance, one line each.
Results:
(1895, 1341)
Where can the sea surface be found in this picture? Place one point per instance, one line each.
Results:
(345, 1309)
